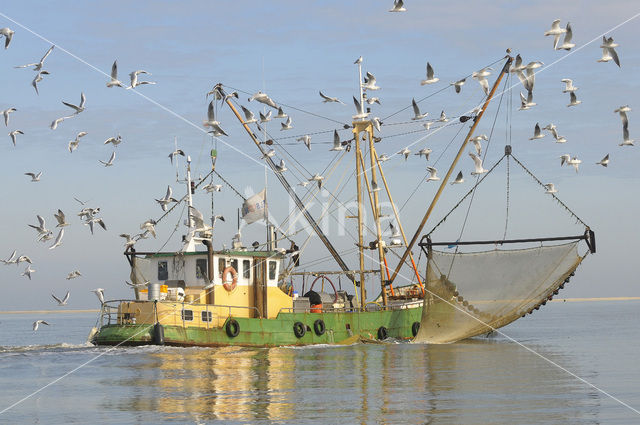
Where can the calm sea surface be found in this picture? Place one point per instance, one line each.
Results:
(481, 381)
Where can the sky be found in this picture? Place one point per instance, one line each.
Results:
(292, 50)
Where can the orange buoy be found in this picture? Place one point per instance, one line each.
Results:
(234, 279)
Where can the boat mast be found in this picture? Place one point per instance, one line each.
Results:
(290, 191)
(504, 70)
(359, 170)
(189, 198)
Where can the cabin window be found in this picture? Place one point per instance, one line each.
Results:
(206, 316)
(272, 270)
(201, 268)
(246, 269)
(163, 270)
(234, 264)
(187, 315)
(222, 264)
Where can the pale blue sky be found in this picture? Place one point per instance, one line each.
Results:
(292, 50)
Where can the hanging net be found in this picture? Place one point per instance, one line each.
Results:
(469, 294)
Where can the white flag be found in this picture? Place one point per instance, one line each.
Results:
(254, 208)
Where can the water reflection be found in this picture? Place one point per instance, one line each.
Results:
(478, 381)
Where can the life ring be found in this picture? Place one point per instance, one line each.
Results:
(234, 279)
(299, 329)
(382, 333)
(415, 328)
(319, 327)
(232, 328)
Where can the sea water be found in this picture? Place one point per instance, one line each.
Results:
(572, 353)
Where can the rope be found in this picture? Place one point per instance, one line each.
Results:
(230, 185)
(552, 194)
(506, 221)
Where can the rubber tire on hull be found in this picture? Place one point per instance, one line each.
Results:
(318, 327)
(382, 333)
(299, 329)
(415, 328)
(232, 328)
(158, 334)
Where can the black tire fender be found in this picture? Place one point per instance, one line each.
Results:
(382, 333)
(318, 327)
(232, 328)
(299, 329)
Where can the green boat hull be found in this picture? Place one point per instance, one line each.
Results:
(339, 327)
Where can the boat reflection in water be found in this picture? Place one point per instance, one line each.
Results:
(475, 381)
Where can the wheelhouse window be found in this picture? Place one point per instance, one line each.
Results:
(272, 270)
(234, 264)
(222, 264)
(201, 268)
(246, 269)
(187, 315)
(206, 316)
(163, 270)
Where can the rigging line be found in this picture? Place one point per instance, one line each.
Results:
(230, 185)
(311, 134)
(552, 194)
(506, 221)
(436, 92)
(181, 199)
(420, 131)
(291, 107)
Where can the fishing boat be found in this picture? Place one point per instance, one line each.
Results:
(255, 297)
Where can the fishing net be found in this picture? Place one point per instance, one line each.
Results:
(470, 294)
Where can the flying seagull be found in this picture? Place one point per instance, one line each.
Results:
(432, 174)
(57, 121)
(370, 82)
(37, 66)
(281, 167)
(477, 161)
(8, 34)
(58, 240)
(609, 51)
(360, 113)
(555, 31)
(37, 323)
(327, 99)
(74, 274)
(537, 133)
(459, 179)
(27, 272)
(73, 144)
(37, 79)
(99, 293)
(167, 199)
(281, 114)
(6, 113)
(566, 42)
(134, 79)
(14, 134)
(550, 188)
(263, 98)
(175, 153)
(430, 76)
(481, 78)
(337, 145)
(424, 151)
(34, 177)
(265, 117)
(416, 111)
(458, 84)
(41, 227)
(249, 117)
(568, 85)
(573, 99)
(398, 6)
(406, 152)
(114, 76)
(526, 103)
(110, 162)
(317, 178)
(306, 139)
(212, 122)
(62, 301)
(78, 108)
(604, 161)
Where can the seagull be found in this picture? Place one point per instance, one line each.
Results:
(99, 221)
(212, 188)
(281, 114)
(58, 240)
(11, 259)
(8, 34)
(476, 142)
(430, 76)
(360, 113)
(268, 154)
(114, 76)
(566, 42)
(6, 113)
(416, 111)
(281, 167)
(317, 178)
(372, 100)
(74, 274)
(575, 162)
(608, 50)
(432, 174)
(37, 66)
(526, 103)
(554, 133)
(555, 31)
(175, 153)
(54, 123)
(34, 177)
(604, 161)
(263, 98)
(99, 293)
(265, 117)
(443, 117)
(384, 157)
(626, 141)
(406, 152)
(149, 226)
(286, 125)
(550, 188)
(45, 236)
(478, 163)
(73, 144)
(458, 84)
(398, 6)
(115, 141)
(134, 79)
(130, 241)
(564, 159)
(110, 162)
(37, 323)
(63, 301)
(198, 220)
(358, 61)
(14, 134)
(41, 228)
(481, 78)
(327, 99)
(376, 123)
(306, 139)
(537, 133)
(303, 183)
(337, 145)
(623, 114)
(370, 82)
(79, 108)
(568, 85)
(249, 117)
(37, 79)
(424, 151)
(166, 200)
(573, 99)
(212, 122)
(23, 259)
(459, 179)
(27, 272)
